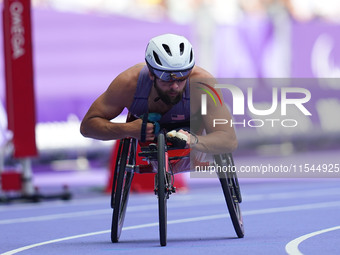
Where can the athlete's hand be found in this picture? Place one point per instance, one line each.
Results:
(150, 135)
(137, 127)
(180, 138)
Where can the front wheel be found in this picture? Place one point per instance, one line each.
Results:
(162, 190)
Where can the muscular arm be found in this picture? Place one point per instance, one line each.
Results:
(218, 139)
(97, 121)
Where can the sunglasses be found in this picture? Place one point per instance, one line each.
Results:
(172, 76)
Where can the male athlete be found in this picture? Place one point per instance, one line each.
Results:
(161, 85)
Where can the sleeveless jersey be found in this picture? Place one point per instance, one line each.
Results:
(180, 112)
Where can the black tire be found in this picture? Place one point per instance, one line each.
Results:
(115, 174)
(231, 191)
(162, 189)
(122, 186)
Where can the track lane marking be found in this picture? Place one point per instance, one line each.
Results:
(137, 208)
(185, 220)
(54, 204)
(292, 248)
(55, 216)
(248, 198)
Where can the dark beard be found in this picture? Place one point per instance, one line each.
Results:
(166, 98)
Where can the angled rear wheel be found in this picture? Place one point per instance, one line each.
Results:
(231, 191)
(121, 185)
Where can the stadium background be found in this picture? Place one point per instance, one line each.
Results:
(80, 46)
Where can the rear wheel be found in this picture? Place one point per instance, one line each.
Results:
(231, 191)
(121, 187)
(162, 188)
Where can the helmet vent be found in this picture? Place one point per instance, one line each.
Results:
(167, 49)
(158, 61)
(181, 48)
(191, 56)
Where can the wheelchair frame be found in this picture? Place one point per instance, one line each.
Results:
(126, 167)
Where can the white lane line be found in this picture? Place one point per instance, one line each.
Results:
(248, 198)
(292, 248)
(296, 194)
(184, 199)
(55, 216)
(53, 241)
(55, 204)
(201, 218)
(136, 208)
(292, 208)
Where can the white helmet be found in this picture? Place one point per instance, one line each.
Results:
(169, 56)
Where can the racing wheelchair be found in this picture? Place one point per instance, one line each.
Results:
(163, 154)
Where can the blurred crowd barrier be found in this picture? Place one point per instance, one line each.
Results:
(184, 11)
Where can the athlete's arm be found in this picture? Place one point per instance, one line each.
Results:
(97, 121)
(218, 139)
